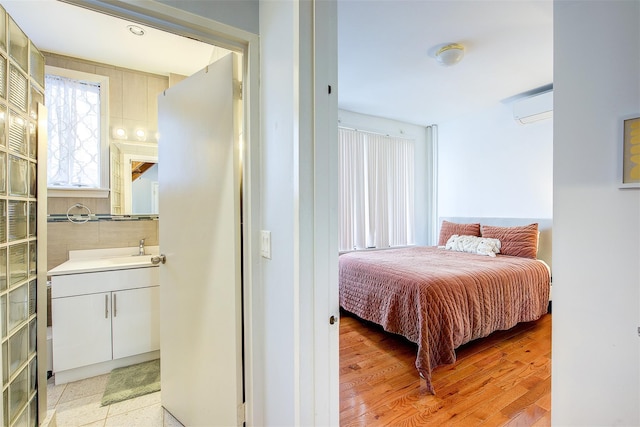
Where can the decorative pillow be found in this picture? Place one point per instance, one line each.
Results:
(519, 241)
(448, 229)
(474, 245)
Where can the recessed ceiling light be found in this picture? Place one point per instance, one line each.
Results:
(138, 31)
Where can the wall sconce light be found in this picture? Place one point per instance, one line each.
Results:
(138, 134)
(119, 133)
(141, 135)
(450, 54)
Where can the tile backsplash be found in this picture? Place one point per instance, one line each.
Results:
(63, 237)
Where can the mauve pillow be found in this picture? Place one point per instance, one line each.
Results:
(519, 241)
(448, 229)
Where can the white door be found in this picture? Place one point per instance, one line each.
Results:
(200, 284)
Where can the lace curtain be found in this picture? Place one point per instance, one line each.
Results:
(74, 132)
(376, 190)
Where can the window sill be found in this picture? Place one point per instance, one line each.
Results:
(375, 249)
(95, 193)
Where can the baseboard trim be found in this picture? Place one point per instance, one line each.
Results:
(62, 377)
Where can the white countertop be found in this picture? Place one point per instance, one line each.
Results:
(93, 260)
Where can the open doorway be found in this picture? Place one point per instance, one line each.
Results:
(238, 81)
(471, 120)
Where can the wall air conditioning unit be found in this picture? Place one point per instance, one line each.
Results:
(533, 108)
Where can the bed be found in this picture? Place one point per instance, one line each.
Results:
(441, 298)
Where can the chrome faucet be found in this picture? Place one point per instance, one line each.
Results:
(141, 247)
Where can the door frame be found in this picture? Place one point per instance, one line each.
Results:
(172, 20)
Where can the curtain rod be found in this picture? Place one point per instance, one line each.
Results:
(402, 136)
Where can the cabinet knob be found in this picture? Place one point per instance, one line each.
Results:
(332, 320)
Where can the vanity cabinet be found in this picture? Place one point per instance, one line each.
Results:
(102, 317)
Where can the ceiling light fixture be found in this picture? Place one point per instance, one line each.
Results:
(136, 30)
(450, 54)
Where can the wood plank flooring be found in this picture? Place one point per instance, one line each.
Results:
(503, 379)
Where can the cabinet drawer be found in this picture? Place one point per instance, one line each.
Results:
(103, 281)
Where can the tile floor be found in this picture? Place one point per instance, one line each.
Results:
(78, 404)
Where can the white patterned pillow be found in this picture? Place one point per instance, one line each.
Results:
(474, 245)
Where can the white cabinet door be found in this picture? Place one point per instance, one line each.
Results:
(82, 332)
(136, 321)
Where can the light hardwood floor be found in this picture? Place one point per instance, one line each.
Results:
(503, 379)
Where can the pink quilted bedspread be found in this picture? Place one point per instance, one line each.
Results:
(442, 299)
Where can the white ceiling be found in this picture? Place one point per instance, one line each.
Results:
(386, 55)
(69, 30)
(386, 48)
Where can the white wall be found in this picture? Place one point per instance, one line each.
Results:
(491, 166)
(422, 164)
(596, 236)
(240, 14)
(277, 192)
(299, 195)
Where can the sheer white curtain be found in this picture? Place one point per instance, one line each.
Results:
(376, 190)
(353, 190)
(74, 132)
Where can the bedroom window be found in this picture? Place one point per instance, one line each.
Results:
(77, 130)
(376, 190)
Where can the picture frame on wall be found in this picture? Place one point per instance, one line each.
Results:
(630, 161)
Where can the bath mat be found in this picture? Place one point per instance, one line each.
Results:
(132, 381)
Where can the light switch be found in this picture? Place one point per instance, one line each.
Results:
(265, 244)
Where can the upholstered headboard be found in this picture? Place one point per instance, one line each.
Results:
(544, 227)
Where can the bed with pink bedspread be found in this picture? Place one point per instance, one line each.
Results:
(441, 299)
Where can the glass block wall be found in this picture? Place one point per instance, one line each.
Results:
(21, 89)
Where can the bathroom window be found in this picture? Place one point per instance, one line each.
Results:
(78, 146)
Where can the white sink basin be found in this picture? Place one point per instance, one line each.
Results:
(105, 262)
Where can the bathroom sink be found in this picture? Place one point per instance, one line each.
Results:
(107, 260)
